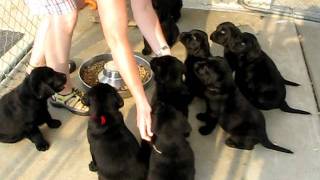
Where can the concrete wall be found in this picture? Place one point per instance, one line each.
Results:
(212, 4)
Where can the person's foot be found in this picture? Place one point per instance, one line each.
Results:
(71, 102)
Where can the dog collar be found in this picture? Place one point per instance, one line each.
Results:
(156, 149)
(213, 89)
(102, 120)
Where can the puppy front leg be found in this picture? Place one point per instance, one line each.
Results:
(36, 137)
(210, 117)
(93, 165)
(52, 123)
(204, 117)
(209, 127)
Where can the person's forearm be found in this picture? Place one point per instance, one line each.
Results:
(114, 23)
(148, 23)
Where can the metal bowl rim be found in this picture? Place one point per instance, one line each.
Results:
(136, 55)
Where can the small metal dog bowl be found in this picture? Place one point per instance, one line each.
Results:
(101, 69)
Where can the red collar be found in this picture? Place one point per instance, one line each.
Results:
(102, 120)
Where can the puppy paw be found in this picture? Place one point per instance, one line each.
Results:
(202, 117)
(42, 146)
(230, 143)
(204, 130)
(54, 123)
(93, 167)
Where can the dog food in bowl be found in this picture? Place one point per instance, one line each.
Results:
(90, 73)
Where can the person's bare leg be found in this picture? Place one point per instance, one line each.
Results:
(37, 56)
(114, 22)
(149, 25)
(58, 43)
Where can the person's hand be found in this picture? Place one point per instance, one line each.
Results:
(144, 120)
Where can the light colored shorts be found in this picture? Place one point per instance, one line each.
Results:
(51, 7)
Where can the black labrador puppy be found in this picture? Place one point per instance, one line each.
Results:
(25, 108)
(258, 78)
(170, 88)
(198, 49)
(115, 151)
(172, 157)
(230, 109)
(168, 12)
(170, 31)
(224, 34)
(168, 9)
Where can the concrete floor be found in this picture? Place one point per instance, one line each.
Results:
(68, 156)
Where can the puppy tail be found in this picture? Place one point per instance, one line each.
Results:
(286, 108)
(290, 83)
(268, 144)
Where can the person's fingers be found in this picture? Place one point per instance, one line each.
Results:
(148, 123)
(143, 132)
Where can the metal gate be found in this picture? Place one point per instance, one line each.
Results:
(301, 9)
(17, 31)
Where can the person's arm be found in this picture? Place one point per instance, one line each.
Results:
(114, 23)
(149, 25)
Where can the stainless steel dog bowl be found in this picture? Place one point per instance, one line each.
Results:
(101, 69)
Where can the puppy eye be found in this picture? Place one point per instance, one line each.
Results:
(243, 44)
(222, 32)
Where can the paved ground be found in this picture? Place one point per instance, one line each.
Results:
(68, 156)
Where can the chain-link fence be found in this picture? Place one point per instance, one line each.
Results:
(302, 9)
(17, 31)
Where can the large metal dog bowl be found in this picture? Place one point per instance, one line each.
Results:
(101, 69)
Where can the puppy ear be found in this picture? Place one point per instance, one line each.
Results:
(41, 90)
(206, 42)
(119, 100)
(46, 91)
(181, 66)
(154, 64)
(255, 49)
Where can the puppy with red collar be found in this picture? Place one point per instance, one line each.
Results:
(114, 149)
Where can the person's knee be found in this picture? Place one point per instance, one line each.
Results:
(65, 22)
(71, 21)
(114, 38)
(140, 5)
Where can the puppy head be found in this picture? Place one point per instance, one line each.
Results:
(224, 33)
(169, 121)
(196, 43)
(45, 82)
(168, 70)
(215, 75)
(102, 98)
(246, 44)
